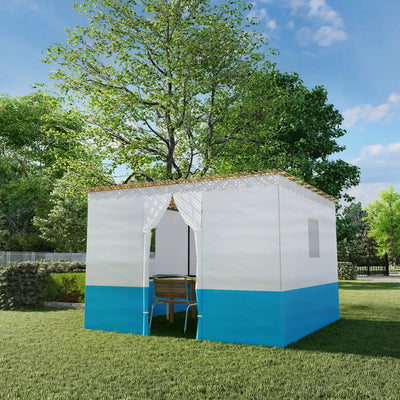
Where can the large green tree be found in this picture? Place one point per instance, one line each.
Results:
(181, 88)
(36, 132)
(384, 221)
(157, 78)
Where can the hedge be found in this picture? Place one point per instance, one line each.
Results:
(62, 266)
(68, 287)
(22, 285)
(347, 271)
(26, 284)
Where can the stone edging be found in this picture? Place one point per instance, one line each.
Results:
(59, 304)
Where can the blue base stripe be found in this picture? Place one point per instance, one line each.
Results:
(235, 316)
(309, 309)
(240, 316)
(265, 318)
(114, 308)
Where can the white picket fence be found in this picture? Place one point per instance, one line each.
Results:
(8, 257)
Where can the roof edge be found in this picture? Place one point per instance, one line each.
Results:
(215, 178)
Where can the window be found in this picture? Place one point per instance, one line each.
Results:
(153, 243)
(313, 238)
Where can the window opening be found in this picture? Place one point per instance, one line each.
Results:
(153, 243)
(313, 238)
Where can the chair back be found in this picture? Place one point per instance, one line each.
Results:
(171, 288)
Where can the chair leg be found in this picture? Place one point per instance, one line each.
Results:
(151, 314)
(186, 315)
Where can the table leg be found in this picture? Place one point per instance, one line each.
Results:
(171, 312)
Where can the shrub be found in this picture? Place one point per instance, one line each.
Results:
(22, 284)
(68, 287)
(347, 271)
(61, 266)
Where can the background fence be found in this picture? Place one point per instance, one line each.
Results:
(373, 270)
(8, 257)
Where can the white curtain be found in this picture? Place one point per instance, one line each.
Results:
(154, 208)
(190, 207)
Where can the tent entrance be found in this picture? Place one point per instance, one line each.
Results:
(172, 251)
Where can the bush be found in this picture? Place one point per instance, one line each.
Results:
(28, 284)
(22, 284)
(347, 271)
(61, 266)
(68, 287)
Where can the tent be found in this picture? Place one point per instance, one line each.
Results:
(262, 247)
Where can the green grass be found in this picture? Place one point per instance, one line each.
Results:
(46, 354)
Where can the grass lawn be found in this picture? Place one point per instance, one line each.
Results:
(46, 354)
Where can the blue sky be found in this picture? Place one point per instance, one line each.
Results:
(350, 47)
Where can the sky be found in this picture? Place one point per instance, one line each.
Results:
(351, 47)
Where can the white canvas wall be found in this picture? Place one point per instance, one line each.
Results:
(115, 239)
(254, 236)
(298, 268)
(240, 239)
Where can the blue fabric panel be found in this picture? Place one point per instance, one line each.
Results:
(114, 308)
(160, 309)
(309, 309)
(240, 316)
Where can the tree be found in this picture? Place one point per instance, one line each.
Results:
(351, 222)
(283, 124)
(175, 89)
(65, 224)
(384, 221)
(36, 132)
(353, 241)
(156, 78)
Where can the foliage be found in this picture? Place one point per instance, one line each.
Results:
(347, 271)
(27, 284)
(384, 221)
(22, 285)
(176, 89)
(62, 266)
(157, 78)
(66, 287)
(350, 223)
(39, 143)
(353, 241)
(278, 122)
(66, 222)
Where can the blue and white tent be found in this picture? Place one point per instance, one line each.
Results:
(262, 246)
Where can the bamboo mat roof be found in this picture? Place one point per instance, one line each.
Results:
(215, 178)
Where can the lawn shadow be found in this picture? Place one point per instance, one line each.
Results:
(160, 326)
(369, 285)
(355, 336)
(39, 309)
(349, 336)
